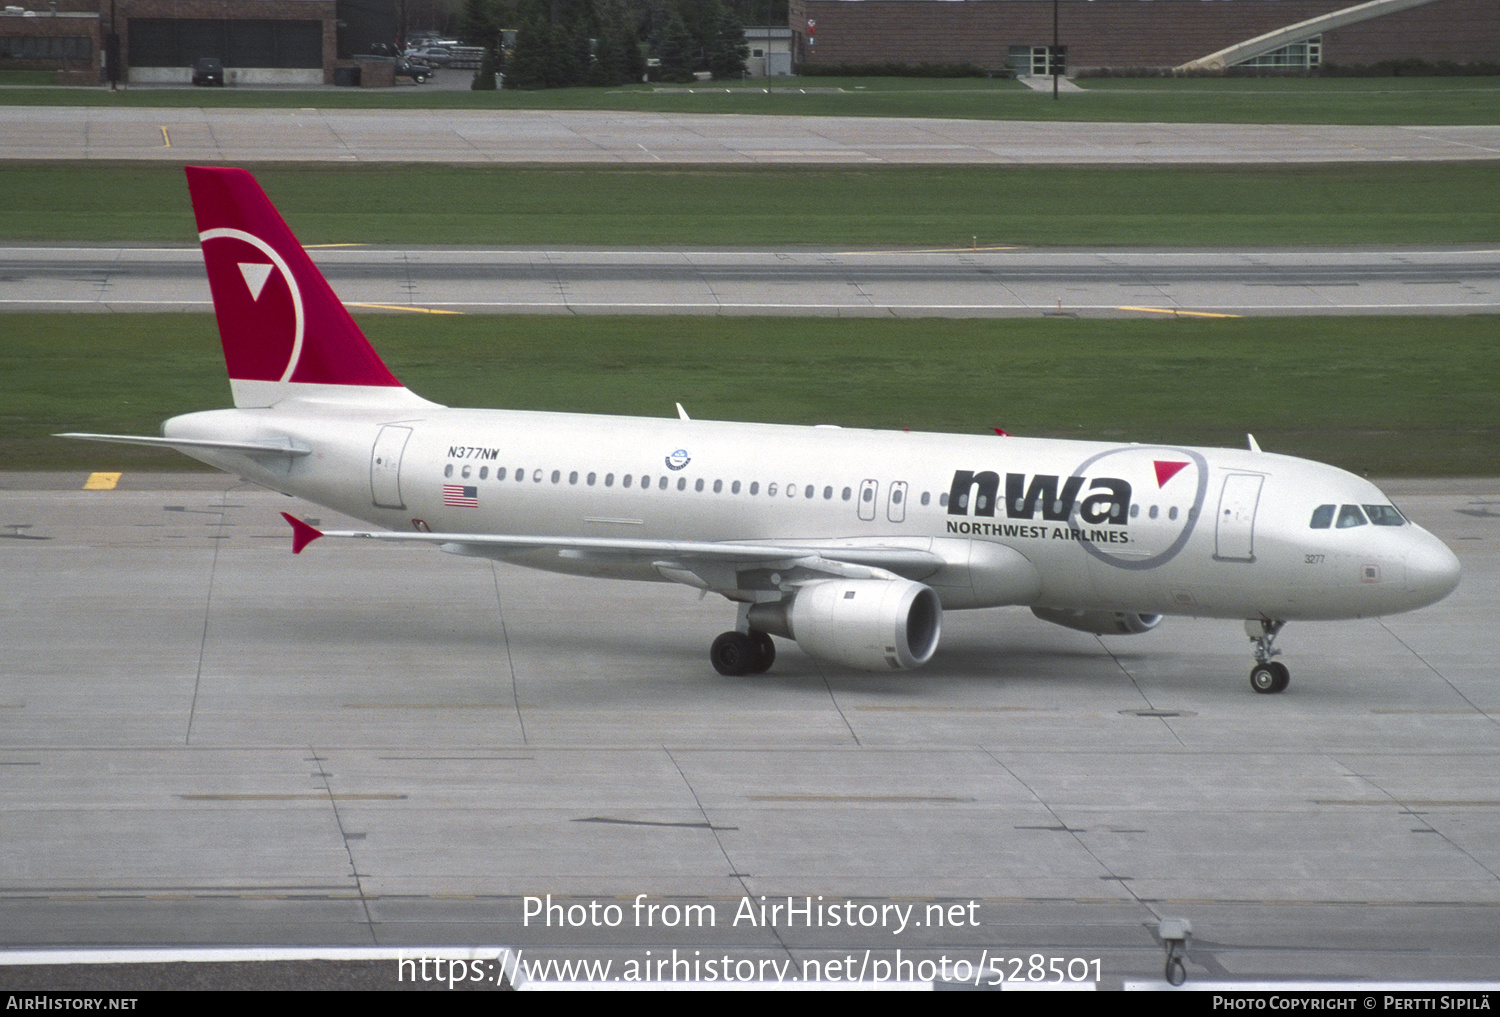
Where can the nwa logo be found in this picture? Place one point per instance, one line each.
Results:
(1107, 499)
(258, 303)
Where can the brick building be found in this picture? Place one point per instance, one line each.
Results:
(290, 42)
(1123, 34)
(55, 38)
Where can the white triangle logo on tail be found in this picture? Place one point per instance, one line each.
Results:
(255, 277)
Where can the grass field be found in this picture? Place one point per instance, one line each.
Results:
(1145, 100)
(1380, 396)
(944, 206)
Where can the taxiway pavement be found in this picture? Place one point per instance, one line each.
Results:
(584, 136)
(204, 739)
(977, 282)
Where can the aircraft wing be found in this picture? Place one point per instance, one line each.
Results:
(722, 566)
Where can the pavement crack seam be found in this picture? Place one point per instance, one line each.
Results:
(734, 872)
(1446, 680)
(208, 603)
(1123, 882)
(515, 688)
(1139, 691)
(344, 836)
(1406, 809)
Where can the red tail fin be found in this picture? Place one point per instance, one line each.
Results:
(280, 322)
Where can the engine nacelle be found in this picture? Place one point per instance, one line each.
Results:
(1100, 623)
(873, 624)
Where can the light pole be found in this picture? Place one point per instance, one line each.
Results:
(1052, 57)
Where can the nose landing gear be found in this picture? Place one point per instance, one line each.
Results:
(1267, 676)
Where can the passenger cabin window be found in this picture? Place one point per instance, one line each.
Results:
(1350, 515)
(1323, 517)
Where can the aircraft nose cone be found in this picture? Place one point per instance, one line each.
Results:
(1431, 571)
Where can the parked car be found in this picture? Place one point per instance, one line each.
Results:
(437, 56)
(415, 71)
(208, 71)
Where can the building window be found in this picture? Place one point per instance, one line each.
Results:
(1299, 56)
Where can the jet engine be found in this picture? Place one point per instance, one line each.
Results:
(873, 624)
(1100, 623)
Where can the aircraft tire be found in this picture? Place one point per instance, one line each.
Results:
(1269, 678)
(765, 652)
(733, 654)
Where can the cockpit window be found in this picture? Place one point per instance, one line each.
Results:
(1323, 517)
(1384, 515)
(1350, 515)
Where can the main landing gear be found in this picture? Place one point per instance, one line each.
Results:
(739, 653)
(1267, 676)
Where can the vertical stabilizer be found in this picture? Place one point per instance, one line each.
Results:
(285, 334)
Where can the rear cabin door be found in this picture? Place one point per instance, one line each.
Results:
(385, 466)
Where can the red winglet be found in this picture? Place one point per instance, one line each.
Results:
(302, 533)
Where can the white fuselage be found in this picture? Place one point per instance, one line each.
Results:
(1152, 529)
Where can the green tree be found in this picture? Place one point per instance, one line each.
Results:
(525, 68)
(676, 52)
(480, 22)
(484, 78)
(728, 51)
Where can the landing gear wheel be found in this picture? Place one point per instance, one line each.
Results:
(740, 653)
(734, 653)
(1270, 677)
(765, 652)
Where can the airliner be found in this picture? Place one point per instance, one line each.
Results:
(850, 543)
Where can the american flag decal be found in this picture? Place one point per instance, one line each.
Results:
(458, 496)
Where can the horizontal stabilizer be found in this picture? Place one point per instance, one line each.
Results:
(302, 533)
(285, 447)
